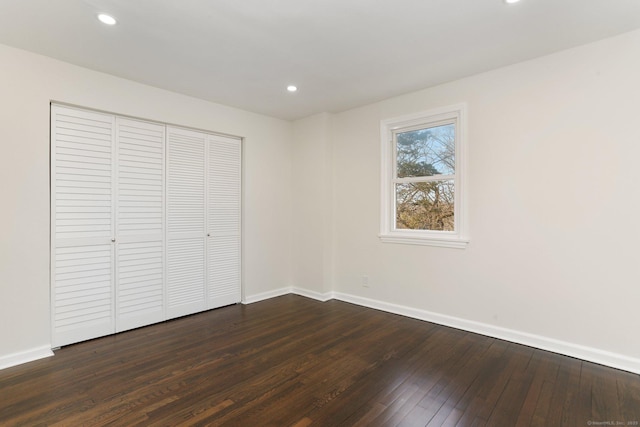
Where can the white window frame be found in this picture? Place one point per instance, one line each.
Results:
(458, 238)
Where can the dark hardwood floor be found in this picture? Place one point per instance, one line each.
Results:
(292, 361)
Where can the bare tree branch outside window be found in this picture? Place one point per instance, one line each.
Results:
(426, 204)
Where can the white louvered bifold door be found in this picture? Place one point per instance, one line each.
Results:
(82, 221)
(145, 223)
(139, 223)
(186, 182)
(223, 221)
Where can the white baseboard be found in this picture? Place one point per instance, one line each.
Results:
(250, 299)
(313, 294)
(590, 354)
(25, 356)
(290, 290)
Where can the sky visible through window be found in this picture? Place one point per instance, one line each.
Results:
(428, 204)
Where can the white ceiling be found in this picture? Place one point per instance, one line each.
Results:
(340, 53)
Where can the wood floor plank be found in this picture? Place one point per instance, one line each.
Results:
(604, 397)
(293, 361)
(380, 388)
(539, 378)
(418, 372)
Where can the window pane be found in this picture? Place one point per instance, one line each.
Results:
(425, 206)
(426, 152)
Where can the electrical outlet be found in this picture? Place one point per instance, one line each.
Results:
(365, 281)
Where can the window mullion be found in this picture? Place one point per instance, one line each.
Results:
(431, 178)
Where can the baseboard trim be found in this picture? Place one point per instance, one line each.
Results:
(250, 299)
(25, 356)
(285, 291)
(589, 354)
(313, 294)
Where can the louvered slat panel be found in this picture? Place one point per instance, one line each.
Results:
(81, 225)
(223, 221)
(140, 223)
(82, 148)
(185, 222)
(186, 180)
(82, 293)
(185, 276)
(140, 178)
(224, 186)
(140, 284)
(223, 271)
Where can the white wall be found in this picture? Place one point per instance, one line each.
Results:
(27, 84)
(312, 205)
(554, 206)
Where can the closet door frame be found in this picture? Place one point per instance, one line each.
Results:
(108, 245)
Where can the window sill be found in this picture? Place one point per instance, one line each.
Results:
(443, 242)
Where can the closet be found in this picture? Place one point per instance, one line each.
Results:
(203, 221)
(145, 223)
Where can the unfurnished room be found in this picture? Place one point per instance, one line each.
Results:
(319, 213)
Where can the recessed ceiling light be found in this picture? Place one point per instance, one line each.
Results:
(511, 1)
(107, 19)
(292, 88)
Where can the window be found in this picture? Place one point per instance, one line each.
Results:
(422, 185)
